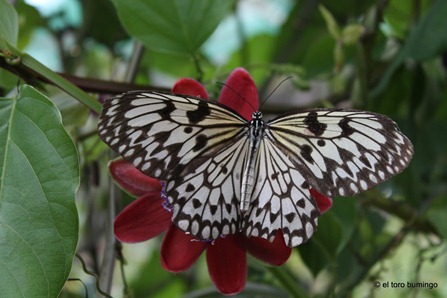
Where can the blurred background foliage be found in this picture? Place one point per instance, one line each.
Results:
(386, 56)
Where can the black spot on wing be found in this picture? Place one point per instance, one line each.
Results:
(228, 207)
(305, 185)
(313, 125)
(181, 200)
(290, 217)
(161, 138)
(273, 216)
(200, 114)
(190, 187)
(347, 130)
(196, 203)
(176, 173)
(224, 169)
(201, 141)
(365, 161)
(165, 113)
(301, 203)
(306, 150)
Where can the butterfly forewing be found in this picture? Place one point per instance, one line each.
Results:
(341, 152)
(162, 133)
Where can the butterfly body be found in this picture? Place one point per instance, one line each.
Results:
(256, 133)
(226, 175)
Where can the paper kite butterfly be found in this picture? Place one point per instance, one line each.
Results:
(224, 174)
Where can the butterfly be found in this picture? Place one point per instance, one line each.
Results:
(223, 174)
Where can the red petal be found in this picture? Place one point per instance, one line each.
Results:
(323, 202)
(227, 265)
(241, 94)
(190, 87)
(143, 219)
(132, 180)
(275, 253)
(179, 250)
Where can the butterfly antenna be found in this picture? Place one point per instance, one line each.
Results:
(235, 92)
(288, 78)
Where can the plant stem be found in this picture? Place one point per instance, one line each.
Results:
(362, 94)
(108, 260)
(199, 70)
(134, 62)
(35, 68)
(110, 251)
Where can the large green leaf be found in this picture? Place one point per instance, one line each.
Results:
(437, 217)
(39, 178)
(30, 21)
(177, 26)
(321, 250)
(427, 40)
(335, 229)
(9, 22)
(103, 23)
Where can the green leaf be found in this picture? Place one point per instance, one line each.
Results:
(142, 286)
(9, 22)
(30, 21)
(352, 33)
(38, 182)
(7, 79)
(331, 23)
(176, 26)
(345, 214)
(437, 214)
(427, 40)
(347, 9)
(397, 18)
(321, 250)
(169, 63)
(335, 229)
(437, 218)
(103, 23)
(319, 58)
(73, 113)
(257, 51)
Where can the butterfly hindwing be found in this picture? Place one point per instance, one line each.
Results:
(205, 200)
(280, 199)
(341, 152)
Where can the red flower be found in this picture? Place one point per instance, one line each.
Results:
(146, 218)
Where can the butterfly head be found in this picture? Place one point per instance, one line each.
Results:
(256, 115)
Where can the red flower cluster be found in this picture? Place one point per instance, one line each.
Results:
(146, 218)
